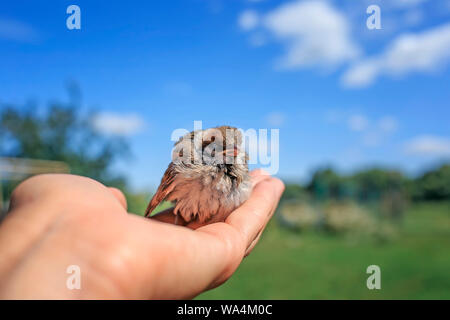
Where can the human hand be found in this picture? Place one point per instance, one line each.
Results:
(60, 220)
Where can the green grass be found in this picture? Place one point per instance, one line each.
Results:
(287, 265)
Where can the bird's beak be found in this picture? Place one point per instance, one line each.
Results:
(231, 152)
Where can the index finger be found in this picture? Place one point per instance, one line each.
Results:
(252, 216)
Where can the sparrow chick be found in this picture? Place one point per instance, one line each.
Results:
(208, 177)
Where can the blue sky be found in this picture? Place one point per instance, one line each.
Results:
(340, 93)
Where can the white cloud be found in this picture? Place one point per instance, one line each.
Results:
(275, 119)
(372, 139)
(372, 132)
(258, 39)
(358, 122)
(17, 31)
(428, 145)
(422, 52)
(248, 20)
(387, 124)
(117, 124)
(361, 74)
(313, 32)
(377, 134)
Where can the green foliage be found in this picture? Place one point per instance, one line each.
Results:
(372, 184)
(433, 185)
(325, 183)
(137, 201)
(358, 203)
(365, 185)
(61, 133)
(390, 188)
(293, 191)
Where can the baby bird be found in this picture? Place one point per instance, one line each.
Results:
(208, 177)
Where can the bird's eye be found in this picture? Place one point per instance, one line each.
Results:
(180, 153)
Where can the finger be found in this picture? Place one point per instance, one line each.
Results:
(259, 172)
(258, 175)
(241, 228)
(253, 244)
(258, 236)
(257, 179)
(252, 216)
(119, 196)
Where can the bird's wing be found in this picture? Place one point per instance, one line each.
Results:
(166, 186)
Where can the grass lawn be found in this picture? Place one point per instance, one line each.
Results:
(288, 265)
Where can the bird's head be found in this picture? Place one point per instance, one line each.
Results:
(219, 146)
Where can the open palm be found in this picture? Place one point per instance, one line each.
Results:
(56, 221)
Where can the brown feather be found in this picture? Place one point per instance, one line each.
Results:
(166, 186)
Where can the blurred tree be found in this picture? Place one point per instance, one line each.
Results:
(432, 185)
(372, 184)
(293, 191)
(324, 184)
(61, 133)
